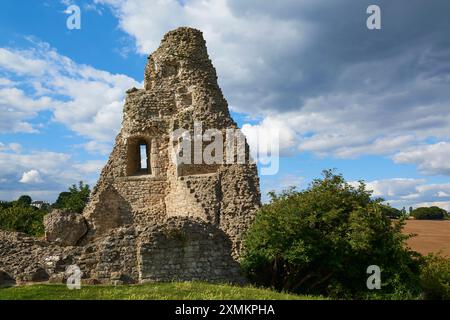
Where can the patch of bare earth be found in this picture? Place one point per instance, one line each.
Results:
(431, 236)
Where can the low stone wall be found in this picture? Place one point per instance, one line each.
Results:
(178, 249)
(186, 249)
(27, 259)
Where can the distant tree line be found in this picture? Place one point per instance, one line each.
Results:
(21, 215)
(420, 213)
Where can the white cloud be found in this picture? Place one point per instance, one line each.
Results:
(90, 166)
(16, 107)
(395, 187)
(13, 146)
(48, 163)
(86, 100)
(93, 146)
(406, 192)
(31, 177)
(16, 147)
(260, 135)
(430, 159)
(21, 62)
(42, 173)
(4, 82)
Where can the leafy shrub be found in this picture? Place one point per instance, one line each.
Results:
(435, 278)
(5, 204)
(431, 213)
(75, 199)
(321, 241)
(23, 218)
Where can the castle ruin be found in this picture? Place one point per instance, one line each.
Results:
(150, 216)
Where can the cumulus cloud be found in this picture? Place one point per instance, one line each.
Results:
(5, 82)
(13, 146)
(21, 62)
(31, 176)
(406, 192)
(394, 187)
(86, 100)
(42, 173)
(268, 135)
(16, 147)
(430, 159)
(90, 166)
(338, 88)
(16, 107)
(99, 147)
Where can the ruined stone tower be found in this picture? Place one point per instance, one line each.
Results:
(180, 89)
(152, 217)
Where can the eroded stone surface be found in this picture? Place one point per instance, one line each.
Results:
(64, 227)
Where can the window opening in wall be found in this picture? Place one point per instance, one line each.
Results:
(143, 156)
(138, 157)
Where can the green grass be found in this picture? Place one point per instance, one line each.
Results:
(153, 291)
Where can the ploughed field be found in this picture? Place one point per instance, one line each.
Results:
(432, 236)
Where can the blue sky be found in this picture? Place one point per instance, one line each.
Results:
(374, 104)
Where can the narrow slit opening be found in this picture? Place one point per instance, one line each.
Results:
(143, 158)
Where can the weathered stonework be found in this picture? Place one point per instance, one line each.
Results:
(64, 227)
(152, 219)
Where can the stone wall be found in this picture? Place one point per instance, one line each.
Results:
(27, 259)
(179, 248)
(186, 249)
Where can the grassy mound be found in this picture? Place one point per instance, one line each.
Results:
(152, 291)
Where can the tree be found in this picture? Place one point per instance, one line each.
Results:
(391, 212)
(23, 218)
(431, 213)
(62, 199)
(75, 199)
(321, 241)
(25, 200)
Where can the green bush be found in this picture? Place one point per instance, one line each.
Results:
(5, 204)
(321, 241)
(431, 213)
(435, 278)
(75, 199)
(23, 218)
